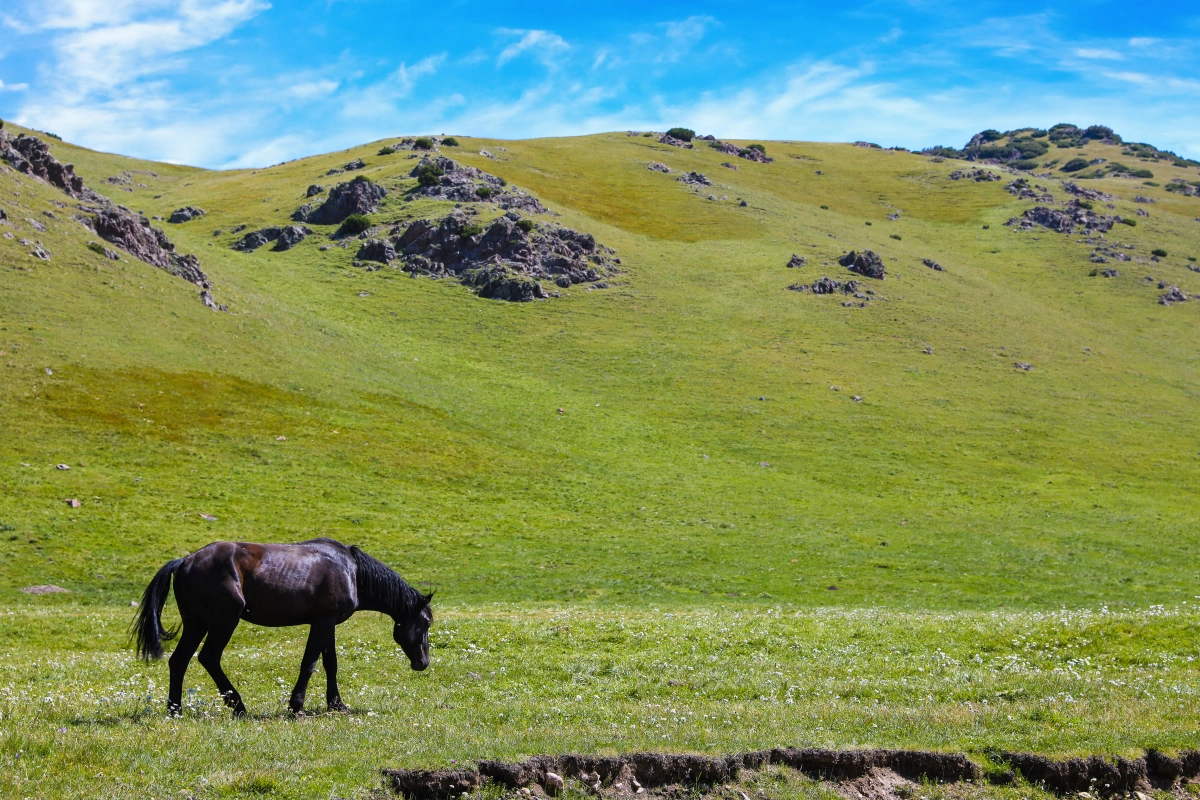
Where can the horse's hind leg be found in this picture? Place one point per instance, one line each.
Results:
(189, 640)
(333, 698)
(318, 635)
(210, 658)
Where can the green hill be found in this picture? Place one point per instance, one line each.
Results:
(696, 429)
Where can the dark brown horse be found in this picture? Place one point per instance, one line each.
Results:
(319, 583)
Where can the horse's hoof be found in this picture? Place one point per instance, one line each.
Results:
(338, 706)
(174, 710)
(239, 712)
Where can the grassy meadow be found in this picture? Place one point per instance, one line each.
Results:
(654, 514)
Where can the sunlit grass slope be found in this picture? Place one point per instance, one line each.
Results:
(709, 443)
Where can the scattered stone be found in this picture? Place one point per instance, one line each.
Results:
(30, 155)
(314, 190)
(857, 398)
(40, 252)
(867, 263)
(380, 250)
(796, 261)
(207, 299)
(729, 166)
(357, 163)
(359, 196)
(1141, 212)
(695, 179)
(1025, 191)
(73, 502)
(977, 175)
(37, 226)
(505, 260)
(826, 285)
(208, 517)
(657, 166)
(1084, 192)
(1023, 365)
(1172, 295)
(1110, 273)
(929, 262)
(1140, 199)
(45, 588)
(256, 239)
(63, 467)
(185, 214)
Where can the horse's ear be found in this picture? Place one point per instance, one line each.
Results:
(428, 598)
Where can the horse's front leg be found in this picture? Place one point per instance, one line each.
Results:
(333, 698)
(320, 633)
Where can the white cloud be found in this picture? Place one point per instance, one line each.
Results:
(13, 87)
(312, 90)
(407, 76)
(1098, 53)
(543, 43)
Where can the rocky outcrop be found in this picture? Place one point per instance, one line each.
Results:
(285, 238)
(1084, 192)
(186, 214)
(826, 285)
(136, 236)
(30, 155)
(748, 153)
(464, 184)
(666, 138)
(380, 250)
(929, 262)
(977, 175)
(1063, 221)
(796, 261)
(655, 166)
(694, 179)
(509, 249)
(867, 263)
(1023, 190)
(359, 196)
(1172, 295)
(314, 190)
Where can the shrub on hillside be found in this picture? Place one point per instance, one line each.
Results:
(990, 135)
(1025, 163)
(354, 225)
(423, 143)
(428, 174)
(1141, 173)
(483, 191)
(96, 248)
(1030, 148)
(941, 151)
(1085, 204)
(1130, 222)
(686, 134)
(1076, 164)
(1158, 251)
(757, 147)
(471, 230)
(449, 141)
(386, 150)
(525, 225)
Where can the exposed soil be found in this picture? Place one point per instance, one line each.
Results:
(855, 774)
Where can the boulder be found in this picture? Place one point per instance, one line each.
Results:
(185, 214)
(867, 263)
(671, 140)
(256, 239)
(291, 236)
(359, 196)
(929, 262)
(826, 285)
(796, 261)
(314, 190)
(754, 154)
(1063, 221)
(1172, 295)
(695, 179)
(357, 163)
(1141, 199)
(464, 184)
(207, 298)
(380, 250)
(1084, 192)
(655, 166)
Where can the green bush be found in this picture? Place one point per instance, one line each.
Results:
(1129, 221)
(1001, 151)
(96, 248)
(757, 147)
(1158, 251)
(423, 143)
(525, 225)
(866, 223)
(1025, 163)
(985, 227)
(1141, 173)
(896, 236)
(990, 135)
(1076, 164)
(825, 207)
(354, 224)
(470, 230)
(386, 150)
(686, 134)
(449, 141)
(1151, 183)
(503, 182)
(1086, 204)
(647, 135)
(428, 174)
(483, 191)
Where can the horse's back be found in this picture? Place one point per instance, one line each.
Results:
(273, 584)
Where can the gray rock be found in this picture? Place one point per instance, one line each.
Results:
(867, 263)
(256, 239)
(144, 242)
(929, 262)
(30, 155)
(695, 179)
(380, 250)
(655, 166)
(185, 214)
(797, 261)
(291, 236)
(359, 196)
(314, 190)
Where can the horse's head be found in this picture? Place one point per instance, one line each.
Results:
(412, 634)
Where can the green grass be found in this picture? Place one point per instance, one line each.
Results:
(709, 460)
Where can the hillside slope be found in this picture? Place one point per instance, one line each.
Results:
(694, 431)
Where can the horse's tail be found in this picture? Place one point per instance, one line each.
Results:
(148, 630)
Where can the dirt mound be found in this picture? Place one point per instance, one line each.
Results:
(359, 196)
(867, 263)
(31, 155)
(44, 588)
(1155, 770)
(505, 260)
(464, 184)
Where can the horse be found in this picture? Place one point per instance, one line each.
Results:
(320, 583)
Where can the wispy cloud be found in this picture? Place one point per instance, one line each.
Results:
(544, 44)
(13, 87)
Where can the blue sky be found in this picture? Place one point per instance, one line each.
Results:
(222, 83)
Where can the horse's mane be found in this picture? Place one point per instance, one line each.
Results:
(381, 586)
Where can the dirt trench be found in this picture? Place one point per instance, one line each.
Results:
(857, 774)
